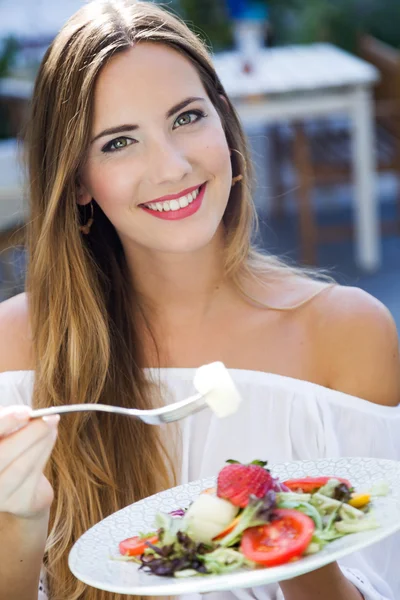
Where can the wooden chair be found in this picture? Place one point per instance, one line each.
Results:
(321, 154)
(13, 213)
(12, 261)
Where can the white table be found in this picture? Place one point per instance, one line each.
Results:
(295, 82)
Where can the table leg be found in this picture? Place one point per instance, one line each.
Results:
(367, 229)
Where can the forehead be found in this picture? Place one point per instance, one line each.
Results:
(143, 75)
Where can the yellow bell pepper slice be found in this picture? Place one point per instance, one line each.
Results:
(359, 500)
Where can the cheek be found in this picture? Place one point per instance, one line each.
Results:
(110, 184)
(215, 154)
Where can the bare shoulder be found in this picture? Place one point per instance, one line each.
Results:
(357, 344)
(286, 291)
(15, 344)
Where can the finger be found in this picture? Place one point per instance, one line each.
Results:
(43, 458)
(18, 443)
(13, 418)
(29, 465)
(27, 469)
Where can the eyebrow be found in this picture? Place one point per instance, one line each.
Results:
(130, 127)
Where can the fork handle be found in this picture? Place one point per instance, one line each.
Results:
(71, 408)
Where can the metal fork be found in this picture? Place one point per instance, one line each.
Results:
(156, 416)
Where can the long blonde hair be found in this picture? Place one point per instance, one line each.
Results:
(85, 335)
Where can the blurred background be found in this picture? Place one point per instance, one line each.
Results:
(317, 85)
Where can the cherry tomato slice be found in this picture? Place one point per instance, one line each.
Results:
(280, 541)
(135, 546)
(310, 484)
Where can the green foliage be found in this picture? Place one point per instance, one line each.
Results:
(383, 21)
(337, 21)
(301, 21)
(208, 19)
(8, 53)
(307, 21)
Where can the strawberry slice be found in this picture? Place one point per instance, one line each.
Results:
(237, 482)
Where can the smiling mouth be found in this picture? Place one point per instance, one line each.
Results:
(176, 204)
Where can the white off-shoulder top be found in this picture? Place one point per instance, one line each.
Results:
(280, 419)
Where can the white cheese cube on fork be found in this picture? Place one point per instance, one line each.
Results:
(215, 383)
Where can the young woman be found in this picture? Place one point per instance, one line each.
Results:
(141, 268)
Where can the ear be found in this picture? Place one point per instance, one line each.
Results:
(83, 195)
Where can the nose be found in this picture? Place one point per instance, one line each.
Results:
(167, 163)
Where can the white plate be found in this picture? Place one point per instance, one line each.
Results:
(90, 558)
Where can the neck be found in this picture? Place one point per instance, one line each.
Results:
(177, 286)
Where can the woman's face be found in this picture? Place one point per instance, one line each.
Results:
(158, 163)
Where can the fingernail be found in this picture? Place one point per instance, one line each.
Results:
(51, 421)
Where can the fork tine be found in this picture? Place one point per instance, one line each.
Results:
(176, 411)
(184, 411)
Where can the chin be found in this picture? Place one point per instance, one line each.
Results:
(189, 243)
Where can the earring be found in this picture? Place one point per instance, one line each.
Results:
(239, 177)
(85, 229)
(236, 179)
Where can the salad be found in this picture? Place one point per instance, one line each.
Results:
(251, 519)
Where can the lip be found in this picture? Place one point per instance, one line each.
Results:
(182, 213)
(175, 196)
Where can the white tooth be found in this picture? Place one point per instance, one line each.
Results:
(174, 205)
(183, 201)
(159, 206)
(152, 207)
(190, 198)
(196, 193)
(166, 206)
